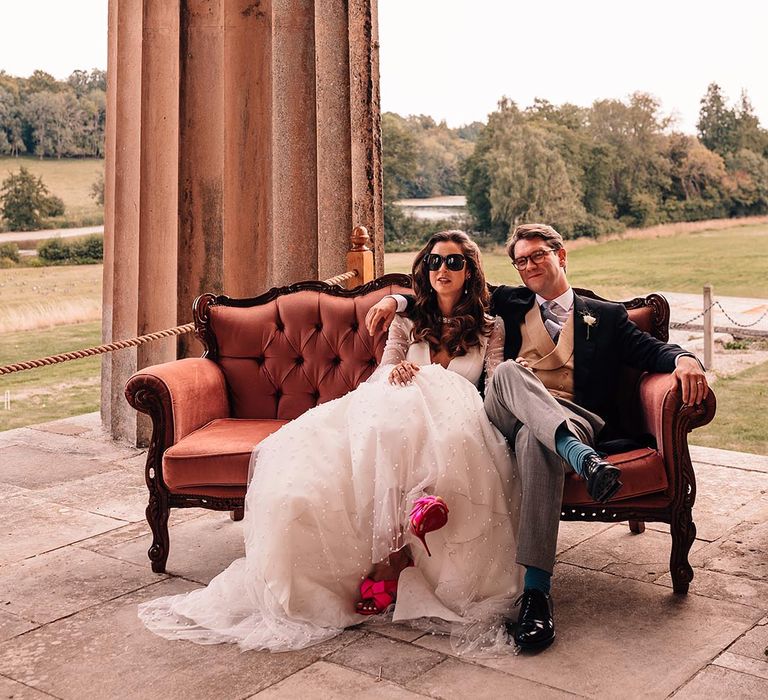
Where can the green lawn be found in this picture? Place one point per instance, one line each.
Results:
(65, 293)
(68, 178)
(734, 260)
(742, 405)
(56, 391)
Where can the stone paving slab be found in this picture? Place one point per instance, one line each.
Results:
(17, 691)
(381, 626)
(12, 625)
(60, 583)
(397, 661)
(743, 664)
(73, 565)
(200, 548)
(718, 682)
(96, 447)
(619, 551)
(754, 643)
(616, 633)
(34, 468)
(106, 649)
(117, 493)
(29, 527)
(714, 584)
(722, 501)
(728, 458)
(327, 681)
(574, 532)
(454, 679)
(743, 552)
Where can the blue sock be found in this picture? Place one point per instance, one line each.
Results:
(537, 578)
(571, 449)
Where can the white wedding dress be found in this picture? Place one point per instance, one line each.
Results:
(330, 494)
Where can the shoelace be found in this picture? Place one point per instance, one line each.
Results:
(528, 604)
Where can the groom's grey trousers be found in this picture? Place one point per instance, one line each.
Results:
(520, 406)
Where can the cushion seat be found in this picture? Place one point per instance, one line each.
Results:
(642, 473)
(216, 455)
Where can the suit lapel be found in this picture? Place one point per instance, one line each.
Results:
(583, 346)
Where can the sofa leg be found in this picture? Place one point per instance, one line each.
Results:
(683, 531)
(237, 514)
(157, 517)
(637, 526)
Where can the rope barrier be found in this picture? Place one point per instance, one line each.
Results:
(131, 342)
(343, 277)
(98, 350)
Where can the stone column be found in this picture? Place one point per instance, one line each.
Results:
(243, 145)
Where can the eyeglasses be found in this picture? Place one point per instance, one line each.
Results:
(522, 262)
(454, 262)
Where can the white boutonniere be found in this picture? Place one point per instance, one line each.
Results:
(589, 320)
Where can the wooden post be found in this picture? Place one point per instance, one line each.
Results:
(360, 258)
(709, 328)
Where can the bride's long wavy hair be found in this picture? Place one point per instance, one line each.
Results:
(470, 319)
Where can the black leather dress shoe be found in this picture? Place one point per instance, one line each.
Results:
(535, 627)
(602, 478)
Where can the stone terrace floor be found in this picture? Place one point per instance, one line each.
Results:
(73, 567)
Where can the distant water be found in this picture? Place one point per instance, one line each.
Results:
(434, 208)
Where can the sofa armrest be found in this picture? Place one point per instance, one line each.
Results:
(667, 418)
(179, 396)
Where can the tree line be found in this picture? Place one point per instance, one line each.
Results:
(51, 118)
(585, 170)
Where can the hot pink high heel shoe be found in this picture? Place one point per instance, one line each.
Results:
(429, 513)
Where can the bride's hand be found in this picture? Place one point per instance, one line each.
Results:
(380, 315)
(403, 373)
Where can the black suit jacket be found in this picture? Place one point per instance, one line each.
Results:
(613, 341)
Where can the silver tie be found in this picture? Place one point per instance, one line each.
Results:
(552, 322)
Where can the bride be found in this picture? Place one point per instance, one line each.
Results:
(339, 498)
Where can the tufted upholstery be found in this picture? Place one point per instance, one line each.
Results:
(286, 356)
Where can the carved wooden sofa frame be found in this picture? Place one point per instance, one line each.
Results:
(270, 358)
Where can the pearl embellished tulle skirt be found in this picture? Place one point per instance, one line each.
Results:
(330, 495)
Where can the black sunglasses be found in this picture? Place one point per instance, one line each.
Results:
(454, 262)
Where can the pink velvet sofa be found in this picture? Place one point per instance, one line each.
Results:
(270, 358)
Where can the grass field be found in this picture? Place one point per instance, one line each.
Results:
(734, 260)
(742, 405)
(40, 297)
(56, 391)
(68, 178)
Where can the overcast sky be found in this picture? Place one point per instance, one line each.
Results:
(454, 59)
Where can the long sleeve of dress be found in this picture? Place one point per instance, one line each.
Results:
(398, 341)
(494, 350)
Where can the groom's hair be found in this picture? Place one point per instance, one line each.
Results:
(525, 231)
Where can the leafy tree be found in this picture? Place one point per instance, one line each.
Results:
(529, 180)
(748, 172)
(40, 81)
(398, 155)
(717, 123)
(749, 134)
(97, 190)
(25, 201)
(696, 172)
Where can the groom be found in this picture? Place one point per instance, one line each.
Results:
(551, 398)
